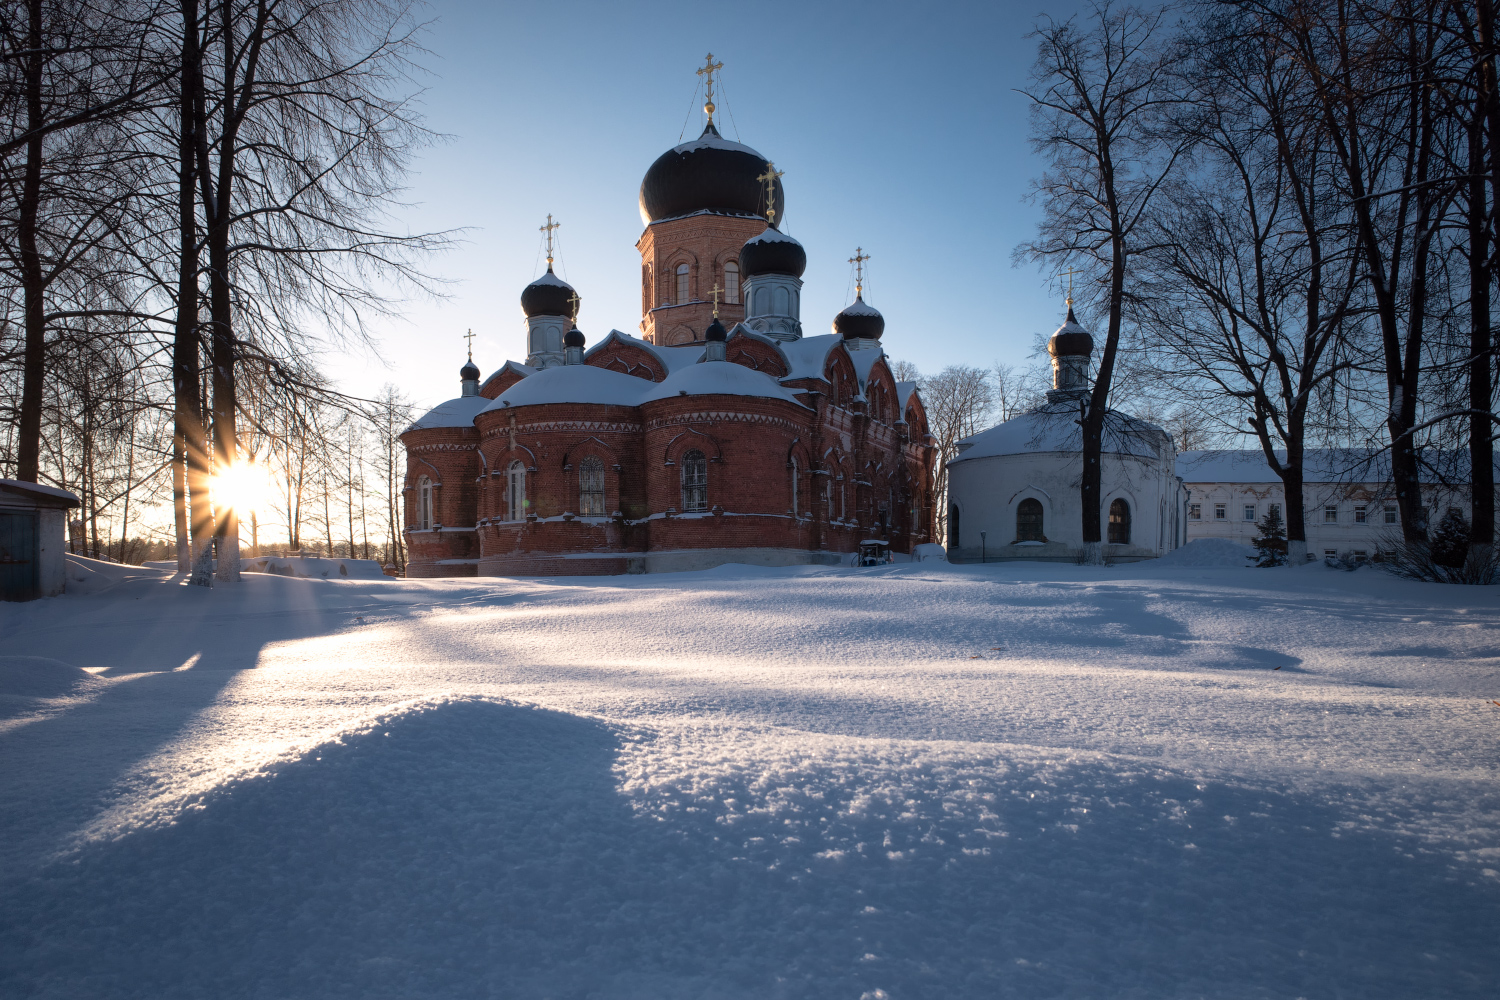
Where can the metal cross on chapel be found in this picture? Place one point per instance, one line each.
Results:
(709, 69)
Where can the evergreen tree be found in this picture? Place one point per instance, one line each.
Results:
(1271, 542)
(1450, 542)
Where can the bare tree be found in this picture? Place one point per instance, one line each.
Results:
(1099, 101)
(959, 401)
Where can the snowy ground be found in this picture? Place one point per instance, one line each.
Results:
(916, 781)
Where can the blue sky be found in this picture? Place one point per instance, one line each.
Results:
(898, 126)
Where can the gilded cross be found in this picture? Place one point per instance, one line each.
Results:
(858, 260)
(769, 180)
(716, 293)
(470, 338)
(548, 230)
(1070, 272)
(709, 69)
(575, 302)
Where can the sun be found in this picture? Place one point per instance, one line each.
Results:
(245, 486)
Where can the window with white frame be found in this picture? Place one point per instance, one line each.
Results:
(1275, 508)
(682, 283)
(1391, 513)
(1195, 512)
(1331, 513)
(1221, 512)
(1249, 512)
(591, 487)
(731, 282)
(515, 492)
(1360, 511)
(424, 504)
(694, 481)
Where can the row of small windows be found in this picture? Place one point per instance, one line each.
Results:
(694, 478)
(1387, 514)
(1030, 518)
(683, 285)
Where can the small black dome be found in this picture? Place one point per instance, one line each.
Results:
(573, 338)
(708, 174)
(547, 296)
(773, 252)
(716, 331)
(469, 371)
(859, 320)
(1071, 339)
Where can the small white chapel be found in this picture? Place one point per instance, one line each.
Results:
(1013, 490)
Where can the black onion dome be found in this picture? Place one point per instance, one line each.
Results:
(1071, 339)
(716, 331)
(573, 338)
(709, 174)
(859, 320)
(547, 296)
(469, 371)
(773, 252)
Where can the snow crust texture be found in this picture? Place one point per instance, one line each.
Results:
(911, 781)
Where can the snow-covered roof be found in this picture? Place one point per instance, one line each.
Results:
(514, 366)
(864, 360)
(573, 384)
(723, 378)
(903, 394)
(459, 412)
(808, 356)
(1319, 465)
(671, 358)
(48, 496)
(1054, 428)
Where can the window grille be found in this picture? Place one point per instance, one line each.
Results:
(1390, 514)
(1119, 522)
(694, 481)
(1331, 514)
(1249, 511)
(1029, 521)
(1360, 514)
(591, 487)
(1221, 512)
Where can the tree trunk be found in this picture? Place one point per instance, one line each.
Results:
(1481, 391)
(29, 457)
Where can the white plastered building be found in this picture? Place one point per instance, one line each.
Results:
(1014, 490)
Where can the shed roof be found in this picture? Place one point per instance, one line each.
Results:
(17, 492)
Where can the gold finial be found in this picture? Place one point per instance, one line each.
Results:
(575, 302)
(858, 260)
(769, 179)
(470, 338)
(548, 230)
(709, 69)
(1070, 272)
(716, 293)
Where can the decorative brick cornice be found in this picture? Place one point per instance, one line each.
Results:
(589, 426)
(423, 449)
(733, 416)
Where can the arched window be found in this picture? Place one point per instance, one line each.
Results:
(953, 527)
(796, 473)
(682, 283)
(591, 487)
(1119, 522)
(515, 492)
(731, 282)
(1029, 521)
(694, 481)
(424, 504)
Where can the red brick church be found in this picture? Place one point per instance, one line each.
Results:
(721, 434)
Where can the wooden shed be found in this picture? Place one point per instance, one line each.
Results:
(33, 548)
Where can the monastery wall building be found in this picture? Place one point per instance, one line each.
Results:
(721, 434)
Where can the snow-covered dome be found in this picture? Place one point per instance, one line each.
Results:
(469, 372)
(1054, 428)
(720, 379)
(859, 320)
(574, 338)
(547, 296)
(709, 174)
(772, 252)
(716, 331)
(1071, 339)
(458, 412)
